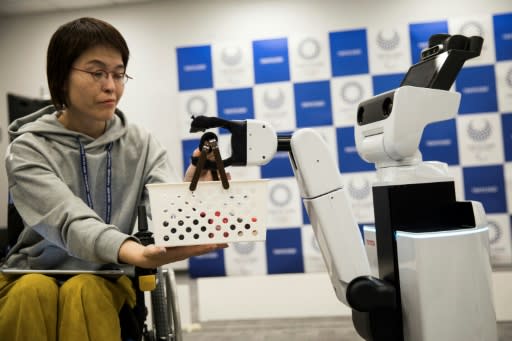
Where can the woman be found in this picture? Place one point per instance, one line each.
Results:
(76, 173)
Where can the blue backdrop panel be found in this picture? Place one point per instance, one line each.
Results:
(279, 167)
(503, 36)
(478, 88)
(349, 52)
(487, 185)
(235, 104)
(194, 67)
(313, 104)
(439, 143)
(271, 60)
(383, 83)
(348, 158)
(207, 265)
(420, 33)
(507, 136)
(284, 251)
(317, 104)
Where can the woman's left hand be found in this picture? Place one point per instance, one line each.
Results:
(205, 175)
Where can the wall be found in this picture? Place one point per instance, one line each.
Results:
(153, 30)
(282, 296)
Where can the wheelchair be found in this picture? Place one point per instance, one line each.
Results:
(165, 323)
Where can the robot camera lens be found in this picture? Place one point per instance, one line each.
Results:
(387, 107)
(360, 115)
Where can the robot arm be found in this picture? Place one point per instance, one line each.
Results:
(329, 210)
(255, 142)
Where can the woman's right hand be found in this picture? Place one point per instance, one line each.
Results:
(152, 256)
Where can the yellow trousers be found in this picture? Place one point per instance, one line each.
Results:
(85, 307)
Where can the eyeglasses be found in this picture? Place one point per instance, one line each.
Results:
(102, 75)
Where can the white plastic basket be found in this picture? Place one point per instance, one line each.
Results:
(210, 214)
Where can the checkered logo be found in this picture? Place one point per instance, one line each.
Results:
(317, 80)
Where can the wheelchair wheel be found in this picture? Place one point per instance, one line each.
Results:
(148, 335)
(166, 312)
(161, 321)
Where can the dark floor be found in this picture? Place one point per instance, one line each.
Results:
(315, 329)
(322, 329)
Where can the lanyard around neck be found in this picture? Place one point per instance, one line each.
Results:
(108, 182)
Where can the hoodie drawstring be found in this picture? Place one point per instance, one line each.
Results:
(85, 178)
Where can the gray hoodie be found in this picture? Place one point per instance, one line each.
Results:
(47, 186)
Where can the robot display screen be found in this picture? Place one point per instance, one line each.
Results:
(20, 106)
(424, 73)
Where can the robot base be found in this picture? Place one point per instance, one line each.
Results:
(445, 284)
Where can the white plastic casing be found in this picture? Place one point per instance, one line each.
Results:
(423, 172)
(210, 214)
(315, 169)
(445, 283)
(397, 137)
(446, 286)
(261, 142)
(329, 210)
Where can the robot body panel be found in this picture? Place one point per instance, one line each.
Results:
(446, 292)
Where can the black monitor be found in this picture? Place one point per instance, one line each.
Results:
(441, 62)
(20, 106)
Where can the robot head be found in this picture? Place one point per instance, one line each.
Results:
(389, 126)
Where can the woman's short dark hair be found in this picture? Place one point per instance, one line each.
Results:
(69, 42)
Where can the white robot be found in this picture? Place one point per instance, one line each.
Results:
(431, 279)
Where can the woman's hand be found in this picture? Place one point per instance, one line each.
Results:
(152, 256)
(206, 175)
